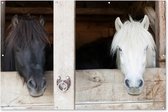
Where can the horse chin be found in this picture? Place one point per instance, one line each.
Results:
(134, 91)
(36, 93)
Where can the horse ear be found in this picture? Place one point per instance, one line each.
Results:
(42, 22)
(130, 18)
(118, 24)
(145, 22)
(15, 20)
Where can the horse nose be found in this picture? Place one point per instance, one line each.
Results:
(140, 83)
(31, 83)
(43, 83)
(129, 84)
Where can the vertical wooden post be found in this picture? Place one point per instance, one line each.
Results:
(160, 32)
(2, 31)
(64, 40)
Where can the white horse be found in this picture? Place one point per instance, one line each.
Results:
(135, 50)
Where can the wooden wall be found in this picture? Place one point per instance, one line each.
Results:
(96, 19)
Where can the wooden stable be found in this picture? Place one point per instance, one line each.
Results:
(89, 89)
(95, 89)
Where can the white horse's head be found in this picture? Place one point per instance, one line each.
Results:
(135, 50)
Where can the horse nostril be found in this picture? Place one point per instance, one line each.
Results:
(140, 83)
(31, 83)
(43, 84)
(127, 82)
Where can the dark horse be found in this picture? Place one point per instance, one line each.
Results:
(25, 51)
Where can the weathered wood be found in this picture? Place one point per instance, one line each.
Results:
(152, 15)
(31, 10)
(95, 89)
(104, 89)
(98, 11)
(2, 24)
(64, 39)
(160, 32)
(123, 106)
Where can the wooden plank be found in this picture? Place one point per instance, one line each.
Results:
(14, 94)
(99, 11)
(160, 32)
(95, 89)
(95, 18)
(105, 86)
(121, 105)
(2, 31)
(150, 12)
(31, 10)
(64, 41)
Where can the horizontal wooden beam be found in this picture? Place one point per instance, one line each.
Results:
(96, 18)
(31, 10)
(95, 89)
(122, 106)
(99, 11)
(104, 89)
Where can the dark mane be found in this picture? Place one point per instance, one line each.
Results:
(21, 36)
(29, 29)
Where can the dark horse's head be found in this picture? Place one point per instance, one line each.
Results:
(25, 51)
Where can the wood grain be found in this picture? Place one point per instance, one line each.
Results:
(106, 88)
(99, 11)
(160, 32)
(150, 12)
(64, 40)
(95, 89)
(31, 10)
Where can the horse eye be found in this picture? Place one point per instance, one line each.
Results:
(120, 49)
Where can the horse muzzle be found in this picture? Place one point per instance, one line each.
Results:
(35, 89)
(134, 91)
(36, 93)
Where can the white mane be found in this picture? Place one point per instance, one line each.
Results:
(133, 36)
